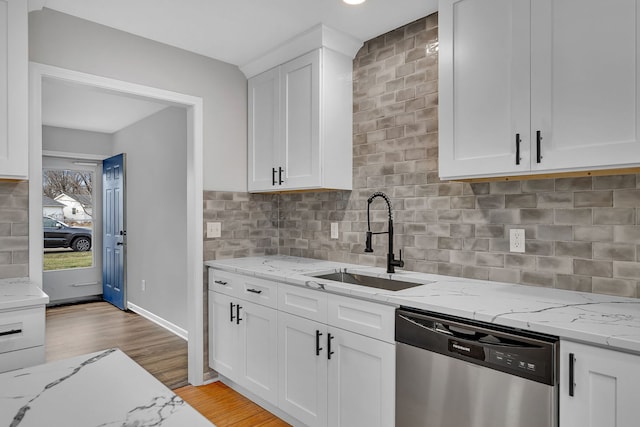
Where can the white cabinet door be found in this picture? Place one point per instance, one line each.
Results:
(302, 372)
(224, 336)
(300, 110)
(264, 131)
(484, 60)
(361, 381)
(14, 90)
(586, 95)
(606, 387)
(259, 355)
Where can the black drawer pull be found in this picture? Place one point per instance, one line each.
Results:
(11, 332)
(231, 318)
(280, 181)
(517, 148)
(318, 348)
(273, 176)
(238, 318)
(572, 362)
(329, 352)
(538, 148)
(254, 291)
(220, 282)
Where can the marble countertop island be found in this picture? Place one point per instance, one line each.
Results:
(100, 389)
(20, 293)
(592, 318)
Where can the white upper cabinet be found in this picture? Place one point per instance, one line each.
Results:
(264, 128)
(14, 91)
(300, 124)
(300, 113)
(538, 86)
(585, 85)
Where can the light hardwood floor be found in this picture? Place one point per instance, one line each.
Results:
(85, 328)
(226, 408)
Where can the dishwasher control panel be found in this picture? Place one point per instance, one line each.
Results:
(512, 360)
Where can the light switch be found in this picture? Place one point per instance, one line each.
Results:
(214, 229)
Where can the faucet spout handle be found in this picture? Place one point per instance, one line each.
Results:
(400, 261)
(368, 247)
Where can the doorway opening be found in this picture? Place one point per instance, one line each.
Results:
(71, 222)
(191, 269)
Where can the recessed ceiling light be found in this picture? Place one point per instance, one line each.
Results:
(354, 1)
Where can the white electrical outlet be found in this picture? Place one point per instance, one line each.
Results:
(516, 240)
(334, 230)
(214, 229)
(143, 285)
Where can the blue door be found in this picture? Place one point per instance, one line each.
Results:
(114, 231)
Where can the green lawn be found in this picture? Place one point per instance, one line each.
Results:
(64, 260)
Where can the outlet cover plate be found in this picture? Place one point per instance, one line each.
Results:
(516, 240)
(334, 230)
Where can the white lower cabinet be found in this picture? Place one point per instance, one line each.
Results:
(361, 381)
(323, 359)
(605, 386)
(302, 369)
(243, 347)
(22, 337)
(332, 377)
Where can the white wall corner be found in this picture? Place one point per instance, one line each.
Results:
(36, 5)
(317, 36)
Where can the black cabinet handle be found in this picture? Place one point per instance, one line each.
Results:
(318, 348)
(11, 332)
(538, 143)
(329, 352)
(232, 318)
(220, 282)
(273, 176)
(517, 148)
(572, 362)
(238, 319)
(254, 291)
(280, 170)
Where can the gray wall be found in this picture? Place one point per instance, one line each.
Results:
(156, 182)
(76, 141)
(14, 229)
(68, 42)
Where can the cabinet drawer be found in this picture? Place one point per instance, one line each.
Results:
(260, 291)
(363, 317)
(21, 329)
(223, 282)
(303, 302)
(22, 358)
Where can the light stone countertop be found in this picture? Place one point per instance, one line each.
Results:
(20, 293)
(592, 318)
(100, 389)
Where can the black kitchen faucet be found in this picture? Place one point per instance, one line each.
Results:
(392, 262)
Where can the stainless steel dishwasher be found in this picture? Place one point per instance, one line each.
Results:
(453, 372)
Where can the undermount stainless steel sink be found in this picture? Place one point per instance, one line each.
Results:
(369, 281)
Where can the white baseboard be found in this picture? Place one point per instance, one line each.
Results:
(182, 333)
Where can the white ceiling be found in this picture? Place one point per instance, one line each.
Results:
(239, 31)
(75, 106)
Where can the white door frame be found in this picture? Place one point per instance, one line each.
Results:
(194, 273)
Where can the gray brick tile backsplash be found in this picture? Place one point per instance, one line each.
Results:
(14, 229)
(581, 233)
